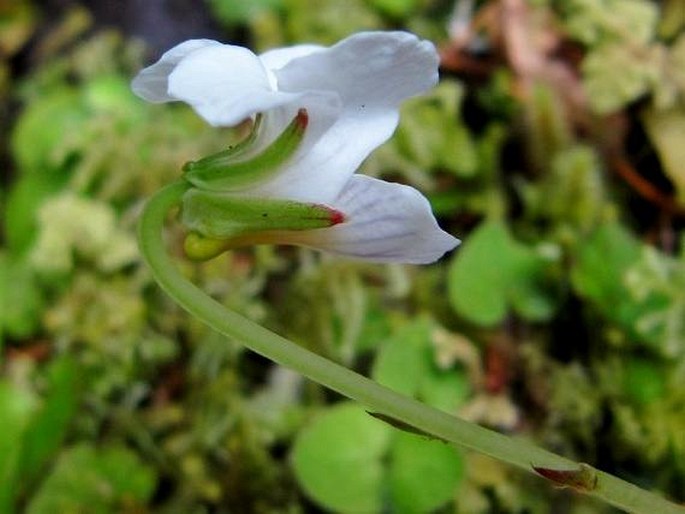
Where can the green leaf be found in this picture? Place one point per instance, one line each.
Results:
(337, 459)
(396, 8)
(424, 473)
(16, 409)
(529, 292)
(445, 390)
(21, 300)
(477, 279)
(49, 425)
(634, 286)
(23, 203)
(492, 273)
(656, 295)
(403, 361)
(600, 266)
(644, 381)
(96, 481)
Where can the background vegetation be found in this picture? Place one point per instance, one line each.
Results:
(554, 146)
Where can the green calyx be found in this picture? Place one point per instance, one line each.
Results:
(219, 221)
(230, 154)
(199, 248)
(225, 171)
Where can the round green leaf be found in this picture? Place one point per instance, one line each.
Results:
(424, 473)
(445, 390)
(528, 293)
(337, 459)
(493, 272)
(478, 275)
(403, 359)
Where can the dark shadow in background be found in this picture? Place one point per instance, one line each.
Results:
(160, 23)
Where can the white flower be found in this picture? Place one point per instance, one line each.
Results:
(351, 92)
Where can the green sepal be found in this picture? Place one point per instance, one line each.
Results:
(218, 215)
(200, 248)
(231, 153)
(224, 171)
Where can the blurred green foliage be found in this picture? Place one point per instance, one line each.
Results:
(561, 318)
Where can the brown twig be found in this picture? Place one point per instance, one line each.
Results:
(644, 187)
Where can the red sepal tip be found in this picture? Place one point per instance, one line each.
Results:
(302, 118)
(337, 217)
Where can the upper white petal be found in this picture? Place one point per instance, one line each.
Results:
(384, 222)
(278, 57)
(151, 83)
(372, 73)
(225, 84)
(367, 69)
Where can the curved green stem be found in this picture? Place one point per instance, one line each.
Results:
(373, 396)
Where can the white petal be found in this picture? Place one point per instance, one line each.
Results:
(225, 84)
(319, 174)
(151, 83)
(384, 222)
(372, 72)
(368, 69)
(278, 57)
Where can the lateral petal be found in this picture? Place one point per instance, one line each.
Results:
(384, 222)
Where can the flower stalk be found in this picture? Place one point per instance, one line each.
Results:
(380, 400)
